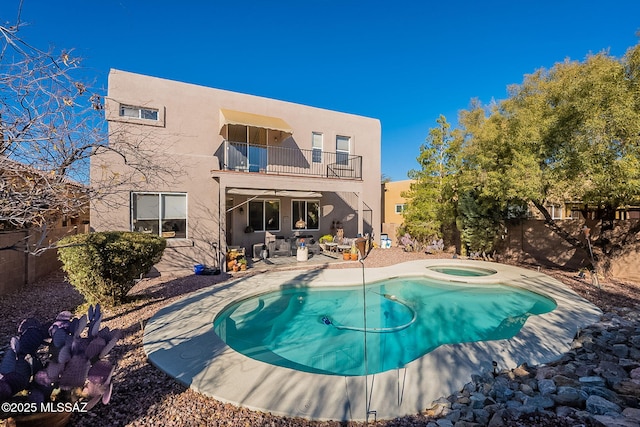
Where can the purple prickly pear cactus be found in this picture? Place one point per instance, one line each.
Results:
(69, 355)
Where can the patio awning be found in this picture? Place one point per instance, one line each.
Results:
(232, 117)
(273, 193)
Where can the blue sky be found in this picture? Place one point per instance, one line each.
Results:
(403, 62)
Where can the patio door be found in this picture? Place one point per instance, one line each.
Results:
(248, 148)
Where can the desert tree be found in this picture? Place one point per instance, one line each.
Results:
(432, 196)
(52, 123)
(566, 134)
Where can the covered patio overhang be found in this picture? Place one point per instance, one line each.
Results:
(247, 186)
(254, 193)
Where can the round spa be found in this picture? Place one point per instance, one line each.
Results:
(314, 343)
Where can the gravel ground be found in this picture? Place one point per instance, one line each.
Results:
(144, 396)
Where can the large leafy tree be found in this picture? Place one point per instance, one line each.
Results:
(570, 133)
(566, 134)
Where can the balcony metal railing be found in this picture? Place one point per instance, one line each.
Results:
(240, 156)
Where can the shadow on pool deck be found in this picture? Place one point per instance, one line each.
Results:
(180, 340)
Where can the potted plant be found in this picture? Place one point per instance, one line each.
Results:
(327, 238)
(354, 252)
(232, 259)
(57, 368)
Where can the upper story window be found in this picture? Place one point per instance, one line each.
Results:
(343, 145)
(138, 112)
(316, 147)
(163, 214)
(400, 207)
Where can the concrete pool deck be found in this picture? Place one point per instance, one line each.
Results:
(180, 341)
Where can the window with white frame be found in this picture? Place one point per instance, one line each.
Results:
(305, 214)
(400, 207)
(342, 149)
(264, 215)
(163, 214)
(138, 112)
(316, 147)
(555, 211)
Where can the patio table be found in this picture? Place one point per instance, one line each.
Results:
(331, 247)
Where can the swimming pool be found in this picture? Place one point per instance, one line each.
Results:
(320, 330)
(180, 340)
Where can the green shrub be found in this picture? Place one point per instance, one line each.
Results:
(103, 266)
(326, 238)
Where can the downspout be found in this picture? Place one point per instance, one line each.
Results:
(360, 215)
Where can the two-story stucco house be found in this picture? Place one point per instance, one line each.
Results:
(245, 169)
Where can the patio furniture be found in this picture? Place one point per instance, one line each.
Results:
(344, 247)
(331, 246)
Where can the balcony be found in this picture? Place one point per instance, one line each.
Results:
(273, 160)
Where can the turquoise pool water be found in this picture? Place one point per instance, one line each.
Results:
(321, 330)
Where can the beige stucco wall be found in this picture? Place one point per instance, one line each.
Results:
(185, 139)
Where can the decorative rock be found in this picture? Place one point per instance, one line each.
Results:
(628, 364)
(565, 411)
(562, 381)
(633, 413)
(478, 400)
(539, 402)
(514, 404)
(481, 416)
(585, 370)
(469, 388)
(464, 400)
(603, 392)
(627, 387)
(526, 389)
(545, 372)
(601, 374)
(521, 371)
(454, 415)
(547, 386)
(620, 350)
(600, 406)
(610, 421)
(611, 372)
(569, 396)
(592, 381)
(438, 409)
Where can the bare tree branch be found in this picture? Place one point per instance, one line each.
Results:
(51, 125)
